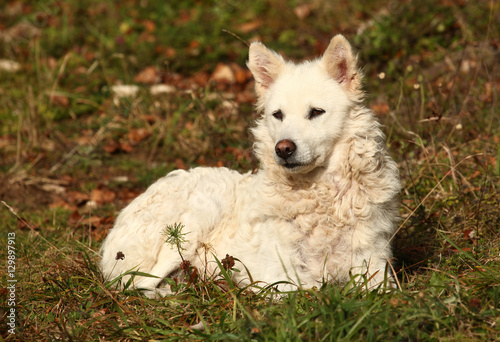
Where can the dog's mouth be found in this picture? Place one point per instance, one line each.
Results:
(292, 165)
(297, 167)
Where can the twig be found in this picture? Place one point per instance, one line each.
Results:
(59, 75)
(237, 37)
(394, 276)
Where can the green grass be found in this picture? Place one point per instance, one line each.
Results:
(71, 156)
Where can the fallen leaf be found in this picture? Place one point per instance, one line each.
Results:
(469, 234)
(59, 100)
(476, 174)
(100, 313)
(202, 161)
(475, 303)
(150, 118)
(200, 78)
(223, 73)
(179, 164)
(101, 196)
(5, 141)
(136, 135)
(250, 26)
(75, 218)
(51, 63)
(115, 147)
(92, 221)
(184, 16)
(487, 95)
(149, 25)
(112, 147)
(84, 141)
(241, 75)
(197, 326)
(77, 197)
(170, 52)
(380, 108)
(126, 147)
(194, 47)
(246, 96)
(149, 75)
(466, 249)
(59, 203)
(255, 330)
(302, 11)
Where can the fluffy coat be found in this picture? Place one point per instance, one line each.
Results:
(322, 207)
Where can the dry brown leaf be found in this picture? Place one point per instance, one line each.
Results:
(241, 75)
(170, 52)
(112, 147)
(149, 75)
(150, 118)
(223, 73)
(101, 196)
(59, 100)
(487, 96)
(75, 218)
(194, 47)
(92, 221)
(250, 26)
(126, 147)
(5, 141)
(179, 164)
(100, 313)
(77, 197)
(302, 11)
(149, 25)
(380, 108)
(59, 203)
(136, 135)
(201, 78)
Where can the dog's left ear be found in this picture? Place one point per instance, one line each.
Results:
(340, 63)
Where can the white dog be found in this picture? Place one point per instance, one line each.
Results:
(322, 207)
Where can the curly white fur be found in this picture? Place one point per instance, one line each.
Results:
(326, 212)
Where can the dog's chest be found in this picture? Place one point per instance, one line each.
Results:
(333, 205)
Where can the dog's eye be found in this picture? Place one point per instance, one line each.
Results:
(314, 112)
(278, 115)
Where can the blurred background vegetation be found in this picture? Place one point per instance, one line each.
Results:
(100, 98)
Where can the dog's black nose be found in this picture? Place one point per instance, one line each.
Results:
(285, 148)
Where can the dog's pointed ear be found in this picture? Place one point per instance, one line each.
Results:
(340, 63)
(265, 66)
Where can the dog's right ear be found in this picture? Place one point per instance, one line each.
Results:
(265, 66)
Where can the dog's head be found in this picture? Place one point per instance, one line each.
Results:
(304, 105)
